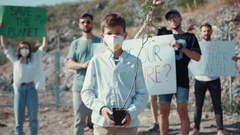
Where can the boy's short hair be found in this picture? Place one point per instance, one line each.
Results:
(206, 25)
(86, 15)
(112, 20)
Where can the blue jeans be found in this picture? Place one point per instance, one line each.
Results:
(26, 96)
(181, 95)
(214, 88)
(81, 112)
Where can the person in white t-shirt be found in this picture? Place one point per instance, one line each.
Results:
(204, 83)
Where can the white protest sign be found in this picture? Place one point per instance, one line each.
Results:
(216, 59)
(158, 60)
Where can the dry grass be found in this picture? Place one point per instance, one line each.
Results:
(207, 7)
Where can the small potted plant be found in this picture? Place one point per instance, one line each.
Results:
(118, 115)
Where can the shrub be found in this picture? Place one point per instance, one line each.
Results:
(191, 4)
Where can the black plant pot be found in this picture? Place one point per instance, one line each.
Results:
(118, 115)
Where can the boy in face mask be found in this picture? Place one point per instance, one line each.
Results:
(114, 79)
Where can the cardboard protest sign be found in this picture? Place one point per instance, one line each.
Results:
(216, 59)
(22, 21)
(158, 60)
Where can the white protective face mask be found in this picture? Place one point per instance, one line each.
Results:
(24, 52)
(113, 42)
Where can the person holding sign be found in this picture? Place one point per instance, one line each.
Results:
(80, 52)
(186, 47)
(114, 87)
(26, 81)
(213, 84)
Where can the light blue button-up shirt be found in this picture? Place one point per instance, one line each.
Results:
(108, 84)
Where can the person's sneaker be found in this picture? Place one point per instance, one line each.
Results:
(194, 131)
(221, 132)
(154, 127)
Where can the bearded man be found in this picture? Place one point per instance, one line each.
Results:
(78, 58)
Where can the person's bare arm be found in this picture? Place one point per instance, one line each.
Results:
(145, 25)
(4, 42)
(151, 27)
(45, 43)
(45, 40)
(140, 31)
(191, 54)
(72, 64)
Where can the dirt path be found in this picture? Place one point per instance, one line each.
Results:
(59, 121)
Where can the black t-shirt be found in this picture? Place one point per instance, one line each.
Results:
(189, 41)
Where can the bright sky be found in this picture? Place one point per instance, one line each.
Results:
(35, 2)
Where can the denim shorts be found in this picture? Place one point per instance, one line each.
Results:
(182, 95)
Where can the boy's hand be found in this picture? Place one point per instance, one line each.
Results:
(126, 120)
(106, 113)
